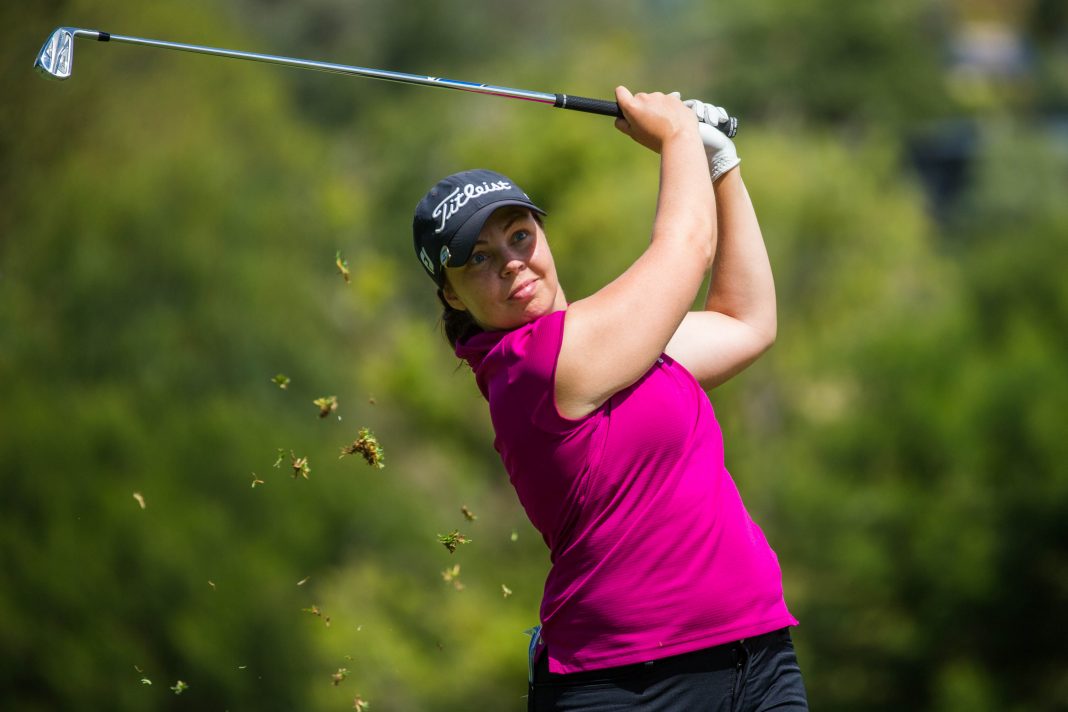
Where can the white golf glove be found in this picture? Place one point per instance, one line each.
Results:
(722, 155)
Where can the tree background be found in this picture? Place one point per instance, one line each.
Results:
(168, 231)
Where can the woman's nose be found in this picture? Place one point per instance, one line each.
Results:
(512, 264)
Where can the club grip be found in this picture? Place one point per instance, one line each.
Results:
(611, 108)
(590, 106)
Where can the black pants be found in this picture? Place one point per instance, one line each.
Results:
(751, 675)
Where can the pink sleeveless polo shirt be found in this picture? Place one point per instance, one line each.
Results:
(653, 553)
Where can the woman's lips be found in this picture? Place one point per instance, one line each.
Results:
(524, 290)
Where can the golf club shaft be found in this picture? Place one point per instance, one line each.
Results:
(562, 101)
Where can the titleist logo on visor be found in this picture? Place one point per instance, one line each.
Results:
(461, 197)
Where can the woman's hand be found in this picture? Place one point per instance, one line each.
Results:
(721, 151)
(654, 119)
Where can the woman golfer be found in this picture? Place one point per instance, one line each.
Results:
(663, 593)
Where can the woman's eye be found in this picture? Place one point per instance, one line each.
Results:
(520, 235)
(477, 258)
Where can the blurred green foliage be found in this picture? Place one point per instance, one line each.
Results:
(169, 229)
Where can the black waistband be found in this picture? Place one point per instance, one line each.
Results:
(718, 657)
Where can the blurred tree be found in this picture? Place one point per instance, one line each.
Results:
(846, 64)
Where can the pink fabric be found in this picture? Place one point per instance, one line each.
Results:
(653, 553)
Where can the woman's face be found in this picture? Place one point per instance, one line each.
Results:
(510, 278)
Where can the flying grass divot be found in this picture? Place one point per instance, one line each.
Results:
(316, 611)
(452, 575)
(343, 267)
(326, 405)
(299, 464)
(144, 678)
(366, 445)
(452, 540)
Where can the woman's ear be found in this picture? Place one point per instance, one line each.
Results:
(448, 294)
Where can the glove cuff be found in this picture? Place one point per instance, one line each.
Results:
(721, 164)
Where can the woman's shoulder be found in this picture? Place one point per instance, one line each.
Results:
(528, 351)
(539, 338)
(514, 343)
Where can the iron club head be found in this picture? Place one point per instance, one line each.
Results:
(56, 55)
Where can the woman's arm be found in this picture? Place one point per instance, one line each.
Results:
(612, 337)
(739, 321)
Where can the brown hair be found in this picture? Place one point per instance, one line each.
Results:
(457, 324)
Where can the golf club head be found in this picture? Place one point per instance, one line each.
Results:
(56, 55)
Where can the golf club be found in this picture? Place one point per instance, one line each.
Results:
(56, 56)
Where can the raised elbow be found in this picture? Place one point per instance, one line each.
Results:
(764, 335)
(706, 253)
(769, 340)
(704, 237)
